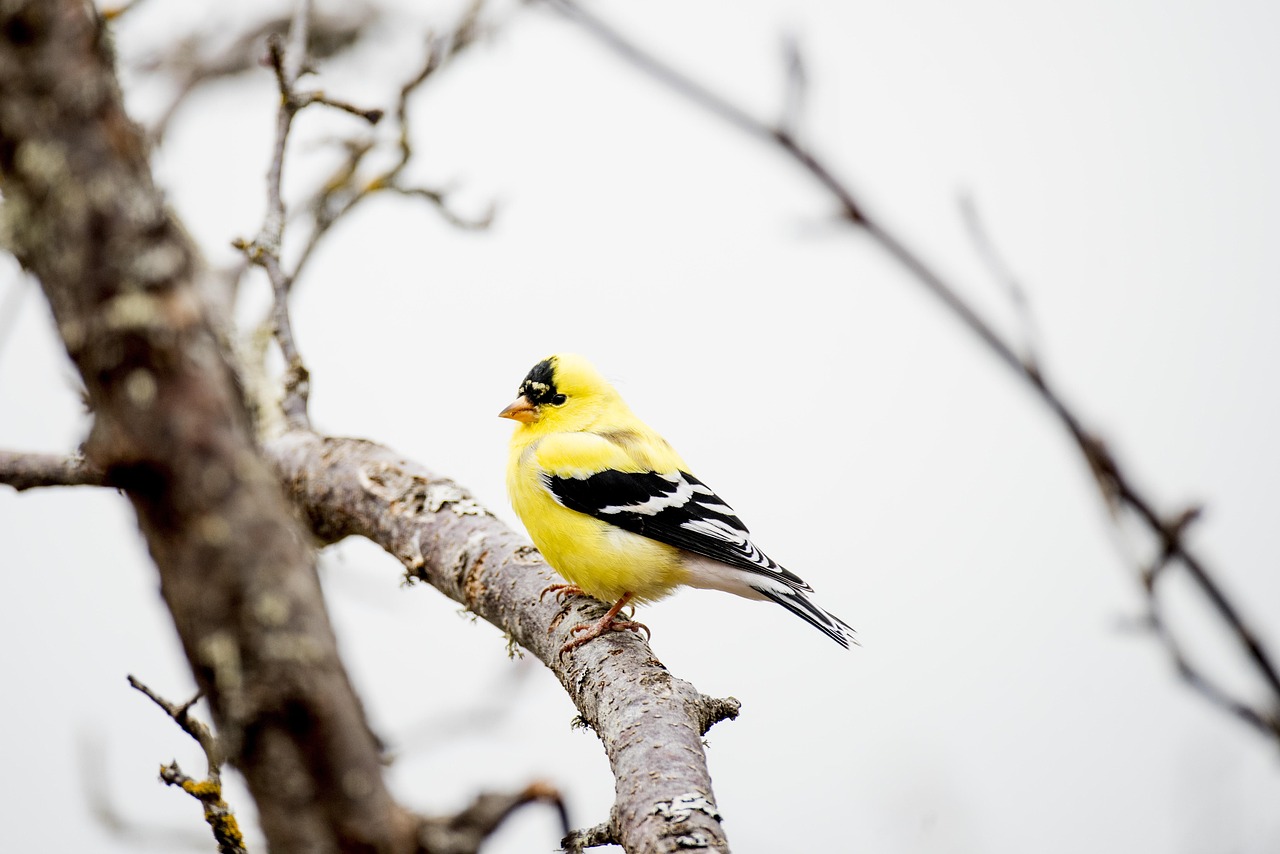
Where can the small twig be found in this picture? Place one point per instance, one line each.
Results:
(440, 200)
(28, 471)
(797, 86)
(605, 833)
(288, 60)
(226, 830)
(1003, 274)
(191, 62)
(372, 116)
(467, 831)
(1113, 481)
(1196, 679)
(220, 818)
(192, 726)
(344, 190)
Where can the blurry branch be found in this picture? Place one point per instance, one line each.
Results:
(289, 62)
(342, 192)
(27, 471)
(1003, 275)
(192, 61)
(468, 830)
(797, 88)
(590, 837)
(346, 188)
(1157, 624)
(1117, 487)
(221, 820)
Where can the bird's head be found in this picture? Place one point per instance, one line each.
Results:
(563, 392)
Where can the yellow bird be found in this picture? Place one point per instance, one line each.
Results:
(614, 509)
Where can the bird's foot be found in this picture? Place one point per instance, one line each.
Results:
(561, 591)
(608, 623)
(590, 631)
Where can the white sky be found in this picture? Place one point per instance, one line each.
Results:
(1123, 156)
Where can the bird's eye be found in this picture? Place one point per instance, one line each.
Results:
(558, 399)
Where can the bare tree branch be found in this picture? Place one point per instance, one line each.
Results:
(82, 213)
(467, 831)
(288, 59)
(28, 471)
(345, 189)
(649, 722)
(190, 61)
(1004, 276)
(226, 830)
(601, 834)
(218, 815)
(1115, 484)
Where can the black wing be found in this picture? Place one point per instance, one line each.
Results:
(676, 509)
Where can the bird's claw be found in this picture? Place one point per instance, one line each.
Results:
(591, 631)
(561, 591)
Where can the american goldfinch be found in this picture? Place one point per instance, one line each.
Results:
(614, 509)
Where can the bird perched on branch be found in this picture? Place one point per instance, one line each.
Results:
(614, 509)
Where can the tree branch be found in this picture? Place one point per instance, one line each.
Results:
(218, 815)
(28, 471)
(650, 722)
(345, 189)
(288, 60)
(82, 213)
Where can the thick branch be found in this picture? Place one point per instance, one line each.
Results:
(650, 722)
(81, 212)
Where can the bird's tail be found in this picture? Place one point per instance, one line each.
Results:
(797, 603)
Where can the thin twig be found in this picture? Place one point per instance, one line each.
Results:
(1003, 275)
(288, 59)
(220, 818)
(192, 726)
(344, 191)
(1113, 481)
(797, 89)
(218, 815)
(372, 116)
(193, 60)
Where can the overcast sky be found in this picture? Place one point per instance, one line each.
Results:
(1123, 158)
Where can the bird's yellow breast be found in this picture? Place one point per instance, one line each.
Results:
(602, 559)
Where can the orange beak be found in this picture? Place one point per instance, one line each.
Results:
(521, 410)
